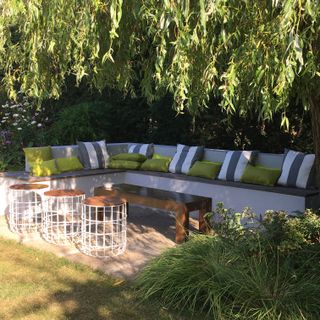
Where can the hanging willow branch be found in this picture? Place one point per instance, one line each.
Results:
(254, 55)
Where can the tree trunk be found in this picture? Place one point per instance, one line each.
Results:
(315, 121)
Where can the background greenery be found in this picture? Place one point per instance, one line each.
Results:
(85, 114)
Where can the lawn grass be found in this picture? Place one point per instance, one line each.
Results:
(38, 285)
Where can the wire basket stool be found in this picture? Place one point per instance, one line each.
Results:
(62, 215)
(25, 207)
(104, 226)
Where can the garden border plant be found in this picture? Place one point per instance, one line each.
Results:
(242, 272)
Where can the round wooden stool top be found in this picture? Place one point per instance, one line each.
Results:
(25, 186)
(104, 201)
(64, 193)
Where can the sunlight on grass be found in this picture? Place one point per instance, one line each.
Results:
(39, 285)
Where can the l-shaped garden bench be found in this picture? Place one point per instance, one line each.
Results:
(235, 195)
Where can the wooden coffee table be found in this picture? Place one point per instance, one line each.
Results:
(180, 203)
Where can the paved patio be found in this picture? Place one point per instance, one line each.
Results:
(149, 233)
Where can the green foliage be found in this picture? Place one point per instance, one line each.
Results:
(242, 272)
(290, 234)
(22, 124)
(82, 114)
(114, 120)
(252, 54)
(256, 59)
(72, 124)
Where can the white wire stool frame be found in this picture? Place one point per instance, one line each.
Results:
(104, 226)
(62, 216)
(25, 207)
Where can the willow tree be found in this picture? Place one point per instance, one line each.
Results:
(255, 55)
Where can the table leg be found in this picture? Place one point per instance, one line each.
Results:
(182, 224)
(204, 226)
(127, 208)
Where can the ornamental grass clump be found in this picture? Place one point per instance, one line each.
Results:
(244, 272)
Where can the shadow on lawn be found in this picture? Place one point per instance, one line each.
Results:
(63, 290)
(41, 286)
(92, 299)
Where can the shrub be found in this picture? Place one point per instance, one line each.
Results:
(22, 124)
(95, 120)
(72, 124)
(242, 273)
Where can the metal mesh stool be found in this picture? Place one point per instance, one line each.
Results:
(25, 208)
(104, 226)
(62, 215)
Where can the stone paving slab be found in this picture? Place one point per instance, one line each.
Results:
(149, 233)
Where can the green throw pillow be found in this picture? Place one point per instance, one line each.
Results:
(205, 169)
(38, 154)
(159, 156)
(45, 168)
(260, 175)
(161, 165)
(68, 164)
(130, 157)
(124, 164)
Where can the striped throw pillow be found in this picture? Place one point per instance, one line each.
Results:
(234, 164)
(145, 149)
(93, 155)
(297, 169)
(184, 158)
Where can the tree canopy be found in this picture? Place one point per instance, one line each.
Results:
(253, 55)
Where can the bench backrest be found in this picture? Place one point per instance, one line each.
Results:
(72, 151)
(271, 160)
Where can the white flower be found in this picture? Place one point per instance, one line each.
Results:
(19, 129)
(14, 124)
(39, 125)
(33, 122)
(15, 115)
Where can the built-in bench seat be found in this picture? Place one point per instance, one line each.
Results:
(276, 189)
(235, 195)
(85, 180)
(26, 177)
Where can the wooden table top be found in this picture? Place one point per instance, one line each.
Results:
(25, 186)
(157, 194)
(104, 201)
(64, 193)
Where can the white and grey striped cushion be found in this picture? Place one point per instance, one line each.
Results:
(145, 149)
(234, 164)
(93, 155)
(184, 158)
(297, 169)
